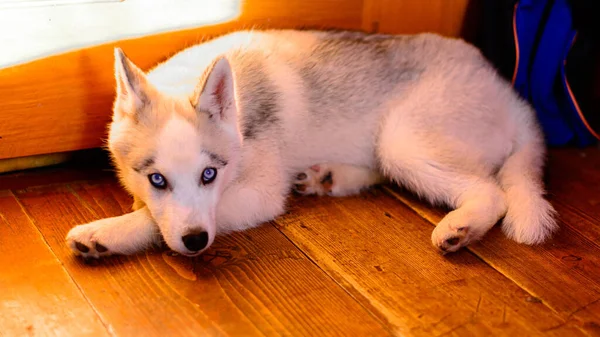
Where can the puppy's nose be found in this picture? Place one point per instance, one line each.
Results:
(195, 241)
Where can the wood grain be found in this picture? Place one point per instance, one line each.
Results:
(348, 267)
(381, 252)
(574, 178)
(563, 272)
(31, 304)
(252, 283)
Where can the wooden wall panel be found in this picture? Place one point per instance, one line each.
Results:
(414, 16)
(63, 103)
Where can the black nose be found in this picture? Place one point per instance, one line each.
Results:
(195, 241)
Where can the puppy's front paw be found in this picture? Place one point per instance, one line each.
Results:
(93, 240)
(318, 179)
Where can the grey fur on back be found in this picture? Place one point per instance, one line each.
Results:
(346, 74)
(341, 60)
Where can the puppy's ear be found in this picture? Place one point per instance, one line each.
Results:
(133, 89)
(217, 94)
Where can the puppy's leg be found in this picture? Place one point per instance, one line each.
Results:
(249, 204)
(479, 202)
(258, 195)
(335, 179)
(125, 234)
(476, 197)
(480, 205)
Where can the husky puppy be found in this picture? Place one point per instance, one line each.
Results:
(214, 139)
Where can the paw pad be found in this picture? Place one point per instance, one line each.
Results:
(100, 248)
(327, 181)
(453, 241)
(91, 250)
(315, 180)
(300, 188)
(81, 247)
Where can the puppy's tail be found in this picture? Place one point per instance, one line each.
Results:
(530, 218)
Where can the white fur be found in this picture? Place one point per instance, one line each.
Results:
(290, 109)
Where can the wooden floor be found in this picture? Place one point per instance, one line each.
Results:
(359, 266)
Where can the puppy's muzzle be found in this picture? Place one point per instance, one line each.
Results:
(195, 241)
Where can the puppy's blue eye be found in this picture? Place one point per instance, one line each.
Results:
(208, 175)
(157, 180)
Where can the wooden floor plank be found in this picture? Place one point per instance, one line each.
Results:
(37, 296)
(251, 283)
(258, 283)
(574, 180)
(381, 252)
(563, 273)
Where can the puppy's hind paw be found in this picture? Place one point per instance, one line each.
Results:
(448, 236)
(318, 179)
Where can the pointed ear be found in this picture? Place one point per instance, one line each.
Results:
(132, 86)
(217, 95)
